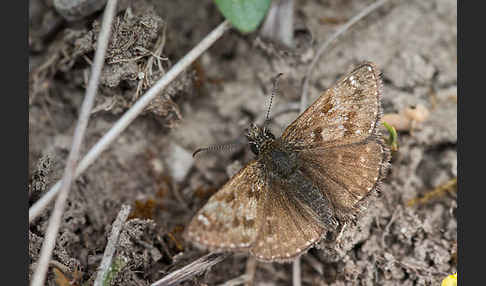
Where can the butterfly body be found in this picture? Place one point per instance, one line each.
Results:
(277, 162)
(300, 186)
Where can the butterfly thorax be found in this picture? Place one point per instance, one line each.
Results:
(272, 155)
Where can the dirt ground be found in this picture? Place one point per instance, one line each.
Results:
(407, 237)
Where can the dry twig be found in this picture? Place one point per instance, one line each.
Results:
(314, 263)
(191, 270)
(325, 45)
(69, 171)
(395, 215)
(296, 276)
(127, 118)
(236, 281)
(111, 245)
(251, 264)
(450, 186)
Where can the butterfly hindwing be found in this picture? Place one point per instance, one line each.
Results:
(351, 172)
(286, 229)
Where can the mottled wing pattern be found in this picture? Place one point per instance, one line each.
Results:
(345, 113)
(229, 219)
(350, 171)
(286, 228)
(276, 211)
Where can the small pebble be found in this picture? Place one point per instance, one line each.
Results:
(179, 161)
(73, 10)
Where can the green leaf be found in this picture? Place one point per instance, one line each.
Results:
(244, 15)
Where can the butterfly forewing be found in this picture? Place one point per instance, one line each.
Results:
(229, 219)
(345, 113)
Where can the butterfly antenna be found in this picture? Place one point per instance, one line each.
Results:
(274, 91)
(216, 148)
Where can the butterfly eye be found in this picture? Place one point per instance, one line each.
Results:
(254, 148)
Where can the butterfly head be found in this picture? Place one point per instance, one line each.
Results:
(258, 137)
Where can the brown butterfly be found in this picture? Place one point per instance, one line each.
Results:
(311, 180)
